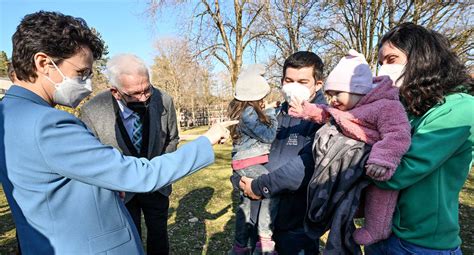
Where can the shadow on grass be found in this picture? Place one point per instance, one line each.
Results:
(8, 242)
(190, 225)
(466, 221)
(222, 241)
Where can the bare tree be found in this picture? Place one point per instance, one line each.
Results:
(222, 30)
(360, 24)
(287, 24)
(284, 28)
(274, 29)
(176, 71)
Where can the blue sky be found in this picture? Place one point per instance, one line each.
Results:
(122, 23)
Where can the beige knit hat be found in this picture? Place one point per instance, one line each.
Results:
(251, 86)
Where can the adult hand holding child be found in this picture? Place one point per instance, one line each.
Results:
(245, 185)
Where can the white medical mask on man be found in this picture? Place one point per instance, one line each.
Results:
(394, 71)
(70, 91)
(295, 90)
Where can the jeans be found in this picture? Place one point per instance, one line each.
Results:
(266, 212)
(396, 246)
(295, 241)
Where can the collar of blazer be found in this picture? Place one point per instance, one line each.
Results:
(156, 110)
(18, 91)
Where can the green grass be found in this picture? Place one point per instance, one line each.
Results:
(207, 196)
(195, 131)
(7, 227)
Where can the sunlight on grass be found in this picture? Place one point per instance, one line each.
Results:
(201, 219)
(7, 228)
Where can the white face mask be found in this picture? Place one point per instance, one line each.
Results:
(394, 71)
(295, 90)
(70, 91)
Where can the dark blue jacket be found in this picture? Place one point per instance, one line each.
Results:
(291, 165)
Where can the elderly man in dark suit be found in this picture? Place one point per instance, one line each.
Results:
(140, 120)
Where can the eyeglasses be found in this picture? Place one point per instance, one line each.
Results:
(84, 73)
(147, 93)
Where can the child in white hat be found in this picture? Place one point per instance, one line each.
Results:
(252, 139)
(366, 109)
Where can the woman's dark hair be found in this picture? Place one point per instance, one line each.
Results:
(11, 72)
(432, 71)
(302, 59)
(58, 35)
(234, 112)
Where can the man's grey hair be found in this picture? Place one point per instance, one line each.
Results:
(125, 64)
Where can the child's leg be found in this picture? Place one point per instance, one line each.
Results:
(242, 218)
(266, 217)
(379, 207)
(242, 222)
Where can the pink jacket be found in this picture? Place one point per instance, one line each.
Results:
(378, 119)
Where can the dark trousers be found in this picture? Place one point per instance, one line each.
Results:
(295, 241)
(155, 209)
(18, 245)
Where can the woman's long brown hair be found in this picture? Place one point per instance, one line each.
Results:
(433, 70)
(235, 110)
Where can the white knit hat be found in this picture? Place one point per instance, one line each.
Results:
(251, 86)
(352, 74)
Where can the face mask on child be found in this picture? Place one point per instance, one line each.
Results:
(295, 90)
(394, 71)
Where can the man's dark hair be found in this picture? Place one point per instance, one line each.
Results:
(302, 59)
(432, 70)
(55, 34)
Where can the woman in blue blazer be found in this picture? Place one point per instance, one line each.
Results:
(60, 181)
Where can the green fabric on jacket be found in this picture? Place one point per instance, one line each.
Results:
(432, 173)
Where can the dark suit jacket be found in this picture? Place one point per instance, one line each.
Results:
(100, 116)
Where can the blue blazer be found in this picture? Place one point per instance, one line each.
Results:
(61, 182)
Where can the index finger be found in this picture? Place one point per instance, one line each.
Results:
(228, 123)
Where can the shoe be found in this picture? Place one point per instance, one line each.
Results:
(266, 247)
(238, 250)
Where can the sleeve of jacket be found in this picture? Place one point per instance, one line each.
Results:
(313, 112)
(251, 125)
(445, 133)
(173, 137)
(84, 116)
(70, 150)
(394, 129)
(293, 175)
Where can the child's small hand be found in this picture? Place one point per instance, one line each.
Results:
(296, 108)
(375, 171)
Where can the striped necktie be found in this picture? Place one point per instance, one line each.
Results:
(137, 133)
